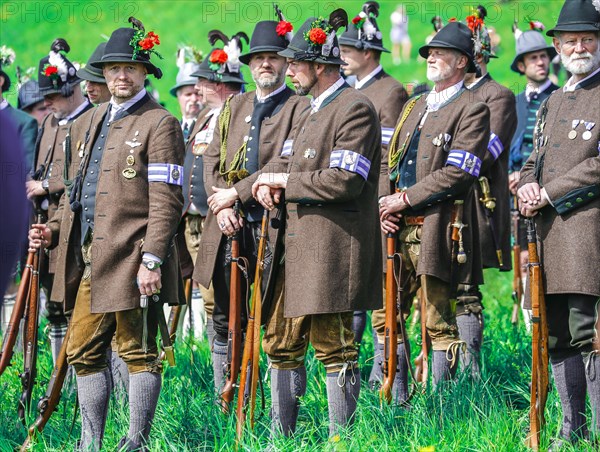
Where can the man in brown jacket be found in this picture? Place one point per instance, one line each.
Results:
(435, 158)
(361, 47)
(59, 84)
(560, 187)
(252, 132)
(331, 269)
(114, 236)
(491, 193)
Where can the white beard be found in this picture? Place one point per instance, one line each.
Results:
(584, 64)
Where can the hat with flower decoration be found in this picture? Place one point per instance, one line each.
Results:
(131, 45)
(454, 35)
(7, 57)
(363, 32)
(316, 39)
(189, 59)
(531, 41)
(269, 36)
(222, 65)
(578, 15)
(56, 73)
(89, 72)
(482, 44)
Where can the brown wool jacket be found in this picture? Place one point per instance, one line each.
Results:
(331, 261)
(569, 170)
(132, 216)
(464, 121)
(274, 131)
(503, 123)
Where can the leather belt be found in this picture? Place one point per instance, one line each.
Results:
(414, 221)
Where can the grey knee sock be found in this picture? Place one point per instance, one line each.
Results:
(569, 378)
(376, 375)
(592, 375)
(56, 334)
(210, 330)
(470, 330)
(343, 390)
(120, 376)
(144, 389)
(93, 392)
(442, 368)
(401, 380)
(287, 386)
(219, 356)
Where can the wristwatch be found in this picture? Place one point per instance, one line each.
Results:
(150, 264)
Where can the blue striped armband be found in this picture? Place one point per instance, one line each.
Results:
(168, 173)
(495, 146)
(386, 135)
(464, 160)
(350, 161)
(286, 150)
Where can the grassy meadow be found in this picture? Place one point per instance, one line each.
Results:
(491, 416)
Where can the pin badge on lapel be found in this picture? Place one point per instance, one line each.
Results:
(310, 153)
(129, 173)
(437, 141)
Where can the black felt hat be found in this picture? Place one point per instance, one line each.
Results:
(578, 15)
(316, 40)
(119, 48)
(56, 73)
(363, 32)
(89, 72)
(455, 35)
(268, 36)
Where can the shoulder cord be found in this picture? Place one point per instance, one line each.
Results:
(395, 154)
(236, 170)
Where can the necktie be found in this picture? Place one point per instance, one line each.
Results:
(186, 131)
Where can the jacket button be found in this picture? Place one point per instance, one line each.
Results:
(579, 200)
(568, 204)
(590, 195)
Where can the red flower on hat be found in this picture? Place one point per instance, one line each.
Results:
(318, 36)
(218, 56)
(536, 25)
(283, 27)
(50, 70)
(474, 22)
(143, 43)
(153, 37)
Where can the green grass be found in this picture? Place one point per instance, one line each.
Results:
(464, 417)
(30, 27)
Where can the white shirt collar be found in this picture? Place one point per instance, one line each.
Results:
(317, 101)
(125, 105)
(569, 87)
(213, 111)
(530, 89)
(3, 104)
(277, 91)
(360, 83)
(74, 113)
(436, 100)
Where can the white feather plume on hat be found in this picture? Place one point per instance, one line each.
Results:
(596, 4)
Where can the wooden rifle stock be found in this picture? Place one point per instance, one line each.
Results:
(48, 403)
(422, 360)
(539, 346)
(234, 329)
(175, 315)
(250, 358)
(390, 358)
(12, 332)
(30, 335)
(517, 281)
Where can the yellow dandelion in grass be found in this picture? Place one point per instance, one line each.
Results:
(427, 449)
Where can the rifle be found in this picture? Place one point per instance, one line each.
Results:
(12, 332)
(239, 265)
(174, 315)
(251, 356)
(539, 342)
(48, 403)
(390, 343)
(30, 334)
(517, 294)
(422, 359)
